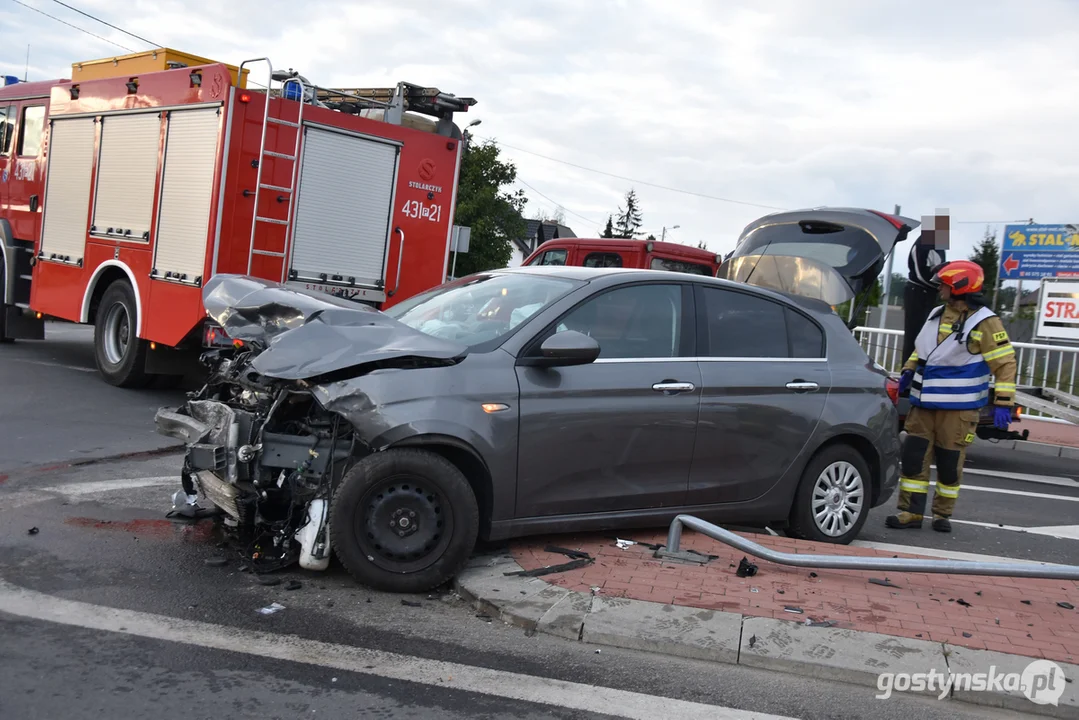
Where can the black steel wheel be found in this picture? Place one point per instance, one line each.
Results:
(404, 520)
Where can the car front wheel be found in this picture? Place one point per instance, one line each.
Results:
(832, 502)
(404, 520)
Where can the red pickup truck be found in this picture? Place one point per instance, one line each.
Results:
(628, 253)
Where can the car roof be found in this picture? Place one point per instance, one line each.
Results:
(587, 274)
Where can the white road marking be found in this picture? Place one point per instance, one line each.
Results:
(1060, 532)
(77, 489)
(53, 364)
(944, 554)
(290, 648)
(1024, 493)
(1024, 477)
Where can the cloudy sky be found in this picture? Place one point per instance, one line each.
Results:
(733, 107)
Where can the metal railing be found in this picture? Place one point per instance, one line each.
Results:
(1049, 366)
(855, 562)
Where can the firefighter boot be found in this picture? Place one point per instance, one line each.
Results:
(903, 521)
(942, 524)
(915, 460)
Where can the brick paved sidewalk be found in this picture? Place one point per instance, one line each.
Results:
(1051, 433)
(925, 606)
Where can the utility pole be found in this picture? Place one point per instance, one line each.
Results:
(663, 235)
(26, 72)
(887, 284)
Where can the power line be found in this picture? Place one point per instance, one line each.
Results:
(557, 204)
(633, 180)
(76, 27)
(97, 19)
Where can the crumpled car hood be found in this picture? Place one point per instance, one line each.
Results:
(307, 334)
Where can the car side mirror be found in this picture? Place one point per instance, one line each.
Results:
(564, 349)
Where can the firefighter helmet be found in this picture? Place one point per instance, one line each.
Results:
(964, 277)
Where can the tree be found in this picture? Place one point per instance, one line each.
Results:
(987, 255)
(493, 214)
(608, 232)
(628, 223)
(651, 237)
(701, 244)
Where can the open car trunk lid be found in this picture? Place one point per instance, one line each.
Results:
(829, 254)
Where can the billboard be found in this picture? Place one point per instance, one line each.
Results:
(1039, 251)
(1058, 310)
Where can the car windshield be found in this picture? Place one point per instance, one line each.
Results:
(480, 308)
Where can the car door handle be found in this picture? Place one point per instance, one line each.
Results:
(802, 386)
(676, 387)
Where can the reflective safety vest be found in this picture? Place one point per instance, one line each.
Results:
(949, 376)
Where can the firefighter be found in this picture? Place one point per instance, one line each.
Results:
(962, 343)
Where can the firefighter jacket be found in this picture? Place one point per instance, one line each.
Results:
(955, 354)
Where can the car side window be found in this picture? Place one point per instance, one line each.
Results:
(740, 325)
(600, 259)
(32, 131)
(639, 321)
(659, 263)
(7, 128)
(806, 337)
(553, 257)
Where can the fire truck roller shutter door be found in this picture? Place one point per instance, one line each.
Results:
(187, 193)
(127, 175)
(343, 206)
(67, 188)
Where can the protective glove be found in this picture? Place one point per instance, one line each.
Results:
(905, 380)
(1002, 417)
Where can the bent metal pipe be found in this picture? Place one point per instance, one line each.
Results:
(850, 562)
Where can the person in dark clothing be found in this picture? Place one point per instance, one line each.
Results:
(920, 292)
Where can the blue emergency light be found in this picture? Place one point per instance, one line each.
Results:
(10, 80)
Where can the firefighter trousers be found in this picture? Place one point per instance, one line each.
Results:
(943, 435)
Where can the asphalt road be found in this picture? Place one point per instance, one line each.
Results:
(111, 610)
(55, 408)
(118, 608)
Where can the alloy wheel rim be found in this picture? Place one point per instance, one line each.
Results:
(838, 499)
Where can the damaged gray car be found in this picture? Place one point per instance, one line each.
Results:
(545, 399)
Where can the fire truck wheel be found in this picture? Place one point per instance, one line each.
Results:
(3, 308)
(404, 520)
(120, 354)
(832, 502)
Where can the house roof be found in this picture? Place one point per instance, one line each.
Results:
(538, 232)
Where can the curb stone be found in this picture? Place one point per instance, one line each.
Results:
(851, 656)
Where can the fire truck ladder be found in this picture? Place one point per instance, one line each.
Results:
(285, 78)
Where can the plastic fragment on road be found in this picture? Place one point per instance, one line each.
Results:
(271, 609)
(820, 623)
(571, 565)
(623, 544)
(33, 531)
(746, 568)
(885, 582)
(795, 610)
(575, 554)
(1066, 605)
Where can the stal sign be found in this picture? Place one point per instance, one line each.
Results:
(1058, 311)
(1039, 251)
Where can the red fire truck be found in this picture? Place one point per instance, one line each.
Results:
(126, 187)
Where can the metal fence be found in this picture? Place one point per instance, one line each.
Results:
(1049, 366)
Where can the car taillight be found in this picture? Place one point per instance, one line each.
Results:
(896, 222)
(215, 336)
(892, 386)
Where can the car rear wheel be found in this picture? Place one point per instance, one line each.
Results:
(832, 502)
(404, 520)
